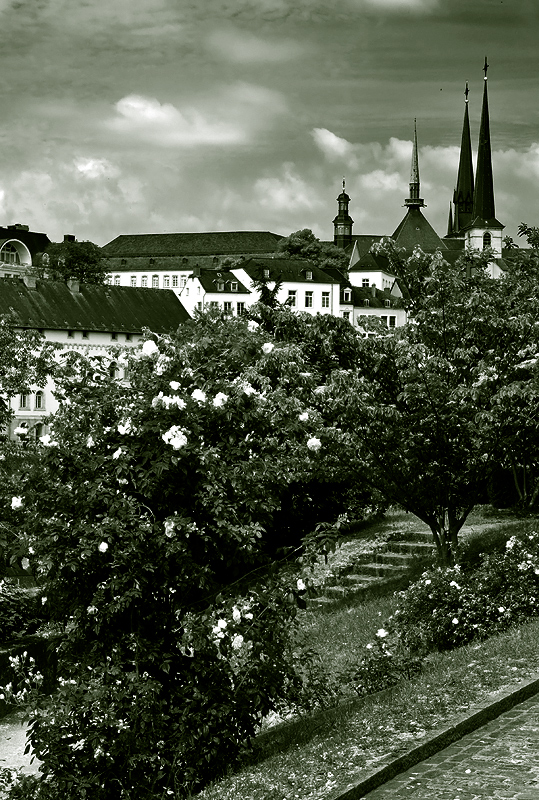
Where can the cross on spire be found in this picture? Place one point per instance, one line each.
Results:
(466, 93)
(485, 68)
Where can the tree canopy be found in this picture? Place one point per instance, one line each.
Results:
(304, 244)
(79, 260)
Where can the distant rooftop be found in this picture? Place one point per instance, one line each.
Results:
(192, 244)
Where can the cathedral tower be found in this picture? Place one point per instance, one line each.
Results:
(463, 195)
(342, 224)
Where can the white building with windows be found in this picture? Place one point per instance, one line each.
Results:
(88, 318)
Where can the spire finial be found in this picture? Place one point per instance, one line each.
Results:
(485, 68)
(466, 93)
(343, 184)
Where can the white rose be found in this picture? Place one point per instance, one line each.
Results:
(16, 502)
(237, 641)
(149, 348)
(236, 614)
(174, 385)
(117, 453)
(103, 547)
(220, 399)
(314, 444)
(252, 325)
(381, 633)
(304, 417)
(301, 585)
(199, 396)
(267, 347)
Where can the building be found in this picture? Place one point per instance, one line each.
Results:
(83, 317)
(472, 217)
(20, 249)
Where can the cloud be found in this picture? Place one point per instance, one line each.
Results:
(94, 168)
(230, 117)
(401, 5)
(242, 47)
(332, 146)
(288, 192)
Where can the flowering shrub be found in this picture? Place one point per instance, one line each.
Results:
(386, 662)
(150, 519)
(447, 608)
(21, 611)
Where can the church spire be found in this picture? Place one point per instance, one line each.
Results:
(414, 200)
(342, 224)
(464, 192)
(483, 205)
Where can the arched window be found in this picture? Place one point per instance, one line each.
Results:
(40, 400)
(155, 281)
(166, 281)
(144, 281)
(9, 254)
(116, 280)
(114, 370)
(487, 240)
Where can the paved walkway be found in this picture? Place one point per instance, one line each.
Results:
(499, 760)
(13, 743)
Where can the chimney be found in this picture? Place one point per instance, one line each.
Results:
(373, 290)
(29, 281)
(69, 237)
(196, 272)
(18, 227)
(73, 285)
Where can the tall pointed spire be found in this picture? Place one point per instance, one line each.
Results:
(414, 200)
(483, 205)
(464, 191)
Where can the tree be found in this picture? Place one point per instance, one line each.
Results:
(304, 244)
(418, 408)
(80, 260)
(148, 522)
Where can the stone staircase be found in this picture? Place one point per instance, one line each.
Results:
(386, 569)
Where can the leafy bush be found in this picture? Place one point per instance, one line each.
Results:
(21, 611)
(387, 662)
(447, 608)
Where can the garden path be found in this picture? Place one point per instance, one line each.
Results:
(499, 760)
(13, 743)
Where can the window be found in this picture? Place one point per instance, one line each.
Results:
(123, 262)
(24, 400)
(240, 309)
(39, 429)
(183, 282)
(199, 306)
(234, 286)
(227, 307)
(308, 299)
(366, 303)
(384, 320)
(174, 281)
(144, 281)
(151, 262)
(114, 371)
(71, 334)
(308, 275)
(133, 280)
(166, 281)
(116, 280)
(185, 260)
(266, 273)
(85, 335)
(392, 322)
(387, 303)
(325, 299)
(114, 336)
(487, 240)
(292, 297)
(128, 337)
(365, 283)
(155, 281)
(214, 304)
(215, 261)
(346, 315)
(220, 286)
(10, 255)
(347, 295)
(187, 291)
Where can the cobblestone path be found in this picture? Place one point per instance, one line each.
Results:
(499, 760)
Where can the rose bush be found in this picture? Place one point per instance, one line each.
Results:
(148, 520)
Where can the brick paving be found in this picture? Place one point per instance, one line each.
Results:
(499, 760)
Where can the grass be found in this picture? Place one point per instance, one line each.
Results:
(310, 756)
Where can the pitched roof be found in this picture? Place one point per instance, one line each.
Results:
(415, 230)
(373, 262)
(209, 278)
(186, 244)
(53, 305)
(286, 269)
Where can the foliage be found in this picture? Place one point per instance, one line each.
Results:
(304, 244)
(71, 259)
(21, 611)
(424, 406)
(150, 521)
(387, 662)
(447, 608)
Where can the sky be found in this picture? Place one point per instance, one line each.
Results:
(149, 116)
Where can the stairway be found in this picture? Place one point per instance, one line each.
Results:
(387, 569)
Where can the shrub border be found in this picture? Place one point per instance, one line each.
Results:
(477, 716)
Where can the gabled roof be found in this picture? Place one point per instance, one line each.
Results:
(209, 278)
(373, 262)
(415, 230)
(192, 244)
(53, 305)
(286, 269)
(376, 297)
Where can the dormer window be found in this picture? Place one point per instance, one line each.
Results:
(234, 286)
(347, 295)
(308, 275)
(387, 303)
(366, 303)
(266, 273)
(220, 286)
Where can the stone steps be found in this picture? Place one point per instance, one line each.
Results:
(384, 570)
